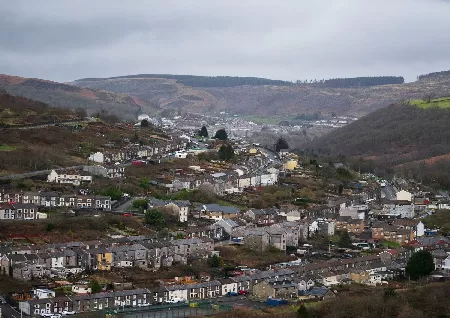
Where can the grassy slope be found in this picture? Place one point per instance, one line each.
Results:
(434, 103)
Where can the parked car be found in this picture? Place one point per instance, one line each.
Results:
(175, 300)
(67, 312)
(243, 292)
(273, 302)
(232, 294)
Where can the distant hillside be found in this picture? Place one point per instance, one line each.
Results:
(262, 97)
(434, 75)
(73, 97)
(205, 81)
(404, 138)
(20, 111)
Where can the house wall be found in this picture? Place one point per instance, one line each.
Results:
(263, 290)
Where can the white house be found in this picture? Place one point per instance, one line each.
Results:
(58, 260)
(81, 289)
(75, 178)
(404, 196)
(181, 154)
(177, 292)
(228, 285)
(97, 157)
(43, 293)
(305, 284)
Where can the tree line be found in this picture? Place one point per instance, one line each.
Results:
(433, 75)
(355, 81)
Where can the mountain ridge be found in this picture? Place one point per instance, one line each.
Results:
(69, 96)
(266, 100)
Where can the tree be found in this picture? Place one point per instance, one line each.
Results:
(281, 144)
(140, 203)
(205, 193)
(428, 97)
(302, 312)
(114, 193)
(215, 261)
(95, 287)
(221, 134)
(420, 264)
(81, 112)
(344, 239)
(154, 217)
(144, 183)
(203, 132)
(50, 227)
(341, 188)
(145, 123)
(226, 152)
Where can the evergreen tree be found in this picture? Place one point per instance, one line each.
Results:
(221, 134)
(420, 264)
(145, 123)
(226, 152)
(281, 144)
(203, 132)
(344, 239)
(302, 312)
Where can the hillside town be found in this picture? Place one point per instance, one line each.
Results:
(297, 230)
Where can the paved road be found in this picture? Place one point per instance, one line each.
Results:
(35, 173)
(389, 192)
(51, 124)
(9, 312)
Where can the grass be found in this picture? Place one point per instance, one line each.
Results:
(390, 244)
(7, 148)
(273, 120)
(443, 102)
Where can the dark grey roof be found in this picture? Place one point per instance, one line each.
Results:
(221, 208)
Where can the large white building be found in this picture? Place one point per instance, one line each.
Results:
(404, 196)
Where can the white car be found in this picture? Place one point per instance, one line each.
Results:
(66, 312)
(47, 314)
(175, 301)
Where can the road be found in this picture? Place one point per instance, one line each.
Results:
(35, 173)
(9, 312)
(389, 192)
(51, 124)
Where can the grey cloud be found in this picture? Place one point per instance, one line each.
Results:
(62, 40)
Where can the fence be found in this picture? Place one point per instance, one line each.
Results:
(170, 311)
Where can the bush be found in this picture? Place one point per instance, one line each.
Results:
(420, 264)
(50, 227)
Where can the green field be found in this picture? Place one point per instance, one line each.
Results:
(443, 102)
(7, 148)
(272, 120)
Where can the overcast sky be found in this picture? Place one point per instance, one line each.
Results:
(297, 39)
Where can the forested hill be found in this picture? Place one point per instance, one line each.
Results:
(409, 139)
(434, 75)
(204, 81)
